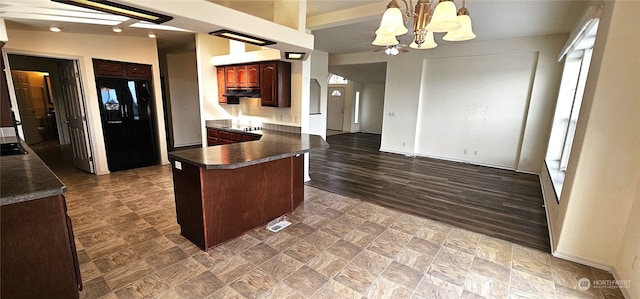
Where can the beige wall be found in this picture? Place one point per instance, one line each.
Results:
(84, 47)
(594, 223)
(404, 81)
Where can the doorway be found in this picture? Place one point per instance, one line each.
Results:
(51, 108)
(335, 108)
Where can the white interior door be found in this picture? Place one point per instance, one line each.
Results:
(335, 108)
(76, 116)
(25, 106)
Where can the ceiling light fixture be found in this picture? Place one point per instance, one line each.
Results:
(119, 9)
(151, 35)
(242, 37)
(54, 29)
(294, 55)
(116, 29)
(427, 19)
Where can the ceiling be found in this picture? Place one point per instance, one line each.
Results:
(492, 20)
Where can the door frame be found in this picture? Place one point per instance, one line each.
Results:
(78, 63)
(343, 90)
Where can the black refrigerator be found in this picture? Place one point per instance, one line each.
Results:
(125, 109)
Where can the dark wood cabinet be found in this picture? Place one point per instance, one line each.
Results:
(275, 84)
(218, 137)
(6, 119)
(242, 76)
(273, 78)
(119, 69)
(216, 205)
(231, 79)
(38, 253)
(106, 68)
(142, 71)
(253, 75)
(221, 85)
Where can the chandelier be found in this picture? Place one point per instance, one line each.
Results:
(427, 19)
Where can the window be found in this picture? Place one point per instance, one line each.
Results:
(337, 79)
(356, 108)
(336, 93)
(565, 120)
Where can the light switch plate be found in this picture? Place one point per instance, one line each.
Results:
(178, 165)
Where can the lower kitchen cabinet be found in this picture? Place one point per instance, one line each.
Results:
(38, 254)
(218, 137)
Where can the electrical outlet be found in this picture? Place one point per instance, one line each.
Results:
(465, 151)
(636, 260)
(404, 144)
(475, 153)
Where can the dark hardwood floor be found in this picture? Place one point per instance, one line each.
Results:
(500, 203)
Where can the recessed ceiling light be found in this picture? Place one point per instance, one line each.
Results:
(55, 29)
(116, 29)
(151, 35)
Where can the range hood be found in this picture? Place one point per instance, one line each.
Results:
(242, 93)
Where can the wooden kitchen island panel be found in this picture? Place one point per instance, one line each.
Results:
(217, 205)
(224, 191)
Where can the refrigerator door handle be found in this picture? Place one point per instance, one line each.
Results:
(126, 111)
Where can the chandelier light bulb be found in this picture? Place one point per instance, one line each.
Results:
(385, 40)
(444, 18)
(465, 32)
(392, 22)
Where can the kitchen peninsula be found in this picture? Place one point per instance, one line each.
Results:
(37, 251)
(224, 191)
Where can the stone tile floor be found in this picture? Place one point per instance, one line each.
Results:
(129, 246)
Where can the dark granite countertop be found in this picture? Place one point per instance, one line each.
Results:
(273, 145)
(26, 177)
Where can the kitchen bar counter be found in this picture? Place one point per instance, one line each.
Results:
(273, 145)
(26, 177)
(223, 191)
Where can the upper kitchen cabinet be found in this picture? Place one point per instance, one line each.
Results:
(275, 84)
(221, 85)
(253, 75)
(142, 71)
(106, 68)
(118, 69)
(231, 80)
(242, 76)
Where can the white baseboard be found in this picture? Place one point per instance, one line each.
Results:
(626, 292)
(579, 260)
(408, 154)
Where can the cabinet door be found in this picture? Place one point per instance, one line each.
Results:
(253, 75)
(108, 68)
(241, 76)
(142, 71)
(36, 254)
(268, 81)
(250, 137)
(221, 85)
(230, 76)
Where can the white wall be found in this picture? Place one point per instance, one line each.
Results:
(206, 47)
(84, 47)
(473, 108)
(320, 71)
(184, 98)
(596, 220)
(348, 123)
(371, 107)
(404, 81)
